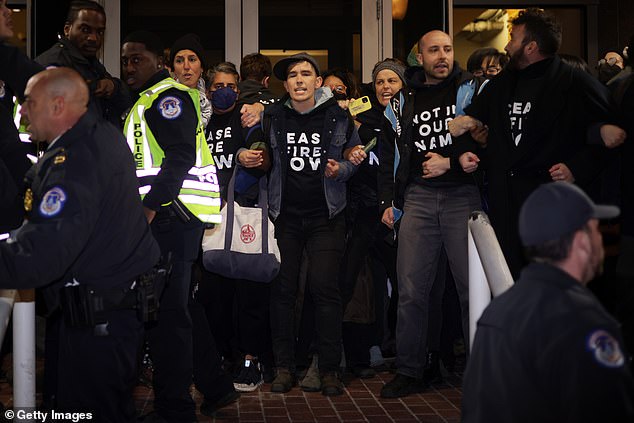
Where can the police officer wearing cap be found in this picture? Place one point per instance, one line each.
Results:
(546, 350)
(86, 240)
(179, 188)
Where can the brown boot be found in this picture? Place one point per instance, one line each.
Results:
(331, 384)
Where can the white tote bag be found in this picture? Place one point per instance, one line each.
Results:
(243, 246)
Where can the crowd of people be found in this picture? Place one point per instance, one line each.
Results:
(370, 205)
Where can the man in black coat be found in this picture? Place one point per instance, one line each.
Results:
(86, 238)
(541, 116)
(84, 32)
(546, 350)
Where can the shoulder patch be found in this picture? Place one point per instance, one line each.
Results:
(606, 350)
(170, 107)
(52, 202)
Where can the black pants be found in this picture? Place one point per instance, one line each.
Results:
(98, 373)
(238, 313)
(171, 339)
(323, 239)
(367, 239)
(209, 377)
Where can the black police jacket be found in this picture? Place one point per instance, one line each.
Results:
(13, 167)
(547, 351)
(64, 53)
(85, 219)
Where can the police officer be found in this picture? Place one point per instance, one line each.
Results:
(179, 187)
(13, 162)
(546, 350)
(85, 238)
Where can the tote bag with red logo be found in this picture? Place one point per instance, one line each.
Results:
(243, 246)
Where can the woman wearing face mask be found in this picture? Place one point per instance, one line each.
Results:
(187, 64)
(493, 63)
(342, 84)
(231, 144)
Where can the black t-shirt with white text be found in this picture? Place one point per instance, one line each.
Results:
(434, 107)
(519, 108)
(303, 140)
(225, 136)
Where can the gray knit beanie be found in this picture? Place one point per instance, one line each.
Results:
(394, 65)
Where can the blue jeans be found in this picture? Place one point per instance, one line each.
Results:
(433, 219)
(324, 241)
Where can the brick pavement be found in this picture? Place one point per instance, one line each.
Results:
(360, 403)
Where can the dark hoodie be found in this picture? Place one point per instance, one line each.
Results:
(253, 92)
(418, 99)
(434, 106)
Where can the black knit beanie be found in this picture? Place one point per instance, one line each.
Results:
(188, 42)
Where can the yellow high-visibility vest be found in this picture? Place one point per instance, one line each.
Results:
(200, 191)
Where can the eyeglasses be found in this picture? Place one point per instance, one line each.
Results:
(492, 70)
(339, 88)
(610, 61)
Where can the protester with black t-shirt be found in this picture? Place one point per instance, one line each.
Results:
(230, 145)
(541, 116)
(436, 197)
(307, 132)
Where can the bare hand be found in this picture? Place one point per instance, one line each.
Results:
(480, 134)
(251, 158)
(356, 155)
(435, 165)
(461, 124)
(332, 169)
(343, 104)
(251, 114)
(561, 172)
(612, 135)
(388, 218)
(149, 214)
(105, 88)
(469, 162)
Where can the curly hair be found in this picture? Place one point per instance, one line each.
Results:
(541, 28)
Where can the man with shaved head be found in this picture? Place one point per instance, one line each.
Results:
(435, 197)
(86, 241)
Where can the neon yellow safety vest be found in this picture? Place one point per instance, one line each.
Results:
(200, 192)
(19, 124)
(24, 135)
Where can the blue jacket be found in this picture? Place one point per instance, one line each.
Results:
(339, 134)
